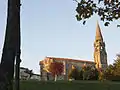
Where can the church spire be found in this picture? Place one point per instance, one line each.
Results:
(98, 33)
(100, 54)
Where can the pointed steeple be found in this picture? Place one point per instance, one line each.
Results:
(98, 33)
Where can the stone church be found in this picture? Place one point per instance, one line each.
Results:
(100, 60)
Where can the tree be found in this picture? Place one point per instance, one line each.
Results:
(101, 75)
(74, 74)
(56, 68)
(116, 66)
(11, 49)
(113, 71)
(109, 70)
(94, 74)
(108, 11)
(90, 73)
(86, 72)
(81, 75)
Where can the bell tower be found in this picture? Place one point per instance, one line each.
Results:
(100, 55)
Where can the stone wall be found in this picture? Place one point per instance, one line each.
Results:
(67, 67)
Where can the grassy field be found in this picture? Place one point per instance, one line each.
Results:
(74, 85)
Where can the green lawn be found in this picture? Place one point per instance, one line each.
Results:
(74, 85)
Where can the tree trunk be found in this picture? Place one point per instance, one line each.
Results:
(55, 77)
(47, 76)
(17, 70)
(10, 47)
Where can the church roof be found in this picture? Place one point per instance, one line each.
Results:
(98, 33)
(69, 59)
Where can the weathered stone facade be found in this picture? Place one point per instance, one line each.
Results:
(100, 55)
(68, 63)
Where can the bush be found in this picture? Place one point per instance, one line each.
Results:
(74, 74)
(94, 74)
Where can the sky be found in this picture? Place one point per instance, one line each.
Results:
(49, 28)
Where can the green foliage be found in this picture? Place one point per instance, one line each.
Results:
(90, 73)
(74, 74)
(86, 73)
(113, 71)
(108, 12)
(80, 75)
(116, 66)
(101, 76)
(94, 74)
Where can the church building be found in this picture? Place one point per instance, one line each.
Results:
(100, 55)
(100, 60)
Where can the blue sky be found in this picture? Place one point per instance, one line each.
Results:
(49, 28)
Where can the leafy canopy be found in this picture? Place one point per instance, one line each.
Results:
(107, 10)
(113, 71)
(56, 68)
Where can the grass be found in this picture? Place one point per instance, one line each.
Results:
(74, 85)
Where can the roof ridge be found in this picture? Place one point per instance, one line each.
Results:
(70, 59)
